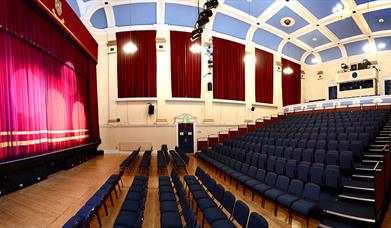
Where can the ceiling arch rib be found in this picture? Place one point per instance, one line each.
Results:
(362, 24)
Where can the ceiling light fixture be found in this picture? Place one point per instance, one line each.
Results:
(314, 39)
(250, 58)
(381, 45)
(130, 48)
(314, 60)
(196, 48)
(369, 48)
(287, 70)
(342, 10)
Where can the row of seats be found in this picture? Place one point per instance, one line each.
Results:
(127, 163)
(170, 217)
(328, 176)
(145, 161)
(161, 160)
(183, 155)
(260, 181)
(132, 211)
(356, 146)
(344, 159)
(178, 161)
(212, 200)
(92, 206)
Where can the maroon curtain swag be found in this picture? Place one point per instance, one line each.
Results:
(263, 76)
(185, 66)
(291, 83)
(137, 72)
(46, 98)
(228, 70)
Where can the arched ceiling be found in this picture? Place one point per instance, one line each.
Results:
(317, 32)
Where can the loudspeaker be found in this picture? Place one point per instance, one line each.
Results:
(253, 109)
(210, 86)
(151, 109)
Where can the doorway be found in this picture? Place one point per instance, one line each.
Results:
(333, 92)
(186, 137)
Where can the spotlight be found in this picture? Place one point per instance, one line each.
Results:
(344, 66)
(201, 22)
(211, 4)
(130, 48)
(366, 62)
(206, 13)
(195, 34)
(287, 70)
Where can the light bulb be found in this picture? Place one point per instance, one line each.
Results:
(381, 45)
(130, 48)
(369, 48)
(196, 48)
(287, 70)
(314, 60)
(249, 59)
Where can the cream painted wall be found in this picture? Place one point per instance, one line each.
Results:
(314, 89)
(212, 116)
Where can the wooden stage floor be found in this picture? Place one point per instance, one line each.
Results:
(53, 201)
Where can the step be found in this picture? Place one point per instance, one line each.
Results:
(361, 219)
(359, 188)
(373, 155)
(375, 150)
(378, 145)
(356, 197)
(332, 223)
(382, 137)
(370, 161)
(362, 176)
(381, 141)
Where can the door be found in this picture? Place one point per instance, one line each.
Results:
(332, 92)
(186, 137)
(387, 87)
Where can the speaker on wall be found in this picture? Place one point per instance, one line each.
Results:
(210, 86)
(253, 108)
(151, 109)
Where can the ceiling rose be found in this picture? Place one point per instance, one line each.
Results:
(287, 21)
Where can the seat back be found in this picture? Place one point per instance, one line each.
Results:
(257, 221)
(317, 173)
(332, 177)
(241, 212)
(296, 187)
(282, 183)
(261, 173)
(303, 170)
(290, 168)
(311, 192)
(219, 193)
(228, 201)
(270, 178)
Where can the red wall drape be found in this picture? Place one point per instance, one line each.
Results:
(291, 83)
(263, 76)
(228, 70)
(185, 66)
(44, 90)
(137, 72)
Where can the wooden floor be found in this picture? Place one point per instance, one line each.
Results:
(52, 202)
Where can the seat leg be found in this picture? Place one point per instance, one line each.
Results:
(111, 200)
(275, 209)
(105, 207)
(244, 189)
(115, 192)
(98, 217)
(252, 197)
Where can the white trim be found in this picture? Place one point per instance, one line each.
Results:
(136, 99)
(264, 105)
(229, 101)
(184, 99)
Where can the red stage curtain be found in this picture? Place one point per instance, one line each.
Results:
(44, 91)
(291, 83)
(228, 70)
(185, 66)
(263, 76)
(137, 71)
